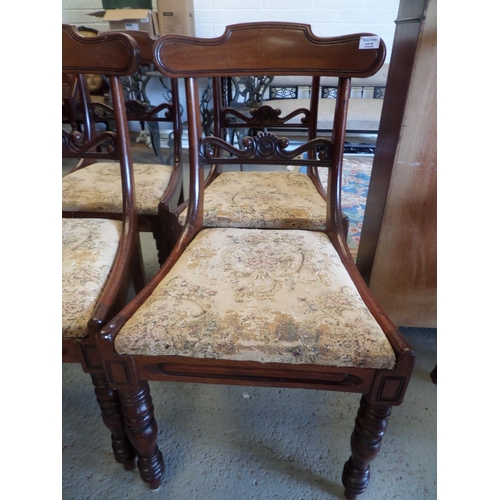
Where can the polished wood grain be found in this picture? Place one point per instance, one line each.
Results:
(112, 416)
(142, 429)
(370, 426)
(114, 56)
(398, 246)
(240, 49)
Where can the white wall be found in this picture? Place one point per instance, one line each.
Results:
(326, 17)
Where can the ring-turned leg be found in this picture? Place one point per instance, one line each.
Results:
(370, 427)
(111, 412)
(142, 430)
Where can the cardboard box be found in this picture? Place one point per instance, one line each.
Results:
(128, 19)
(176, 16)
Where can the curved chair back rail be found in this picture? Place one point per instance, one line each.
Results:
(113, 54)
(262, 48)
(145, 42)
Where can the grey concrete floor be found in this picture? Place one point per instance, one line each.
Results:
(234, 443)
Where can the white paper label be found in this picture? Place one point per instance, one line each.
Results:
(132, 26)
(369, 42)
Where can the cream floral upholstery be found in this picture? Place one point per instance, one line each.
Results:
(89, 248)
(258, 295)
(263, 200)
(97, 188)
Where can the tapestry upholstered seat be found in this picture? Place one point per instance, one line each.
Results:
(263, 200)
(97, 188)
(295, 301)
(89, 249)
(280, 305)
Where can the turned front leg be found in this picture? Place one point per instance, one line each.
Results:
(370, 427)
(112, 416)
(142, 430)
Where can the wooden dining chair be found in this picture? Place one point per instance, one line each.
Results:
(279, 306)
(93, 189)
(99, 256)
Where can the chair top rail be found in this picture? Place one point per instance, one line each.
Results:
(145, 42)
(261, 48)
(112, 54)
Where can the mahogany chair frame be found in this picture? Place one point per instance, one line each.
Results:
(141, 111)
(79, 58)
(306, 54)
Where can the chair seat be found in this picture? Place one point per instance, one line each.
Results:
(258, 295)
(97, 188)
(263, 200)
(89, 247)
